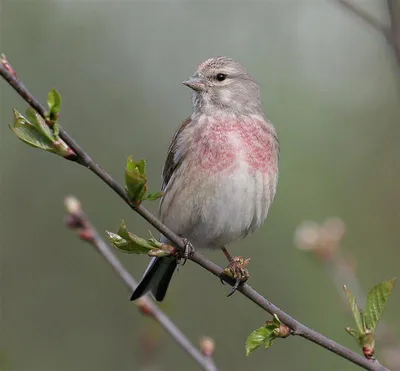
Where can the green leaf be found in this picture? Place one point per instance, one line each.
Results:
(266, 334)
(257, 338)
(357, 313)
(276, 321)
(135, 180)
(54, 103)
(354, 333)
(132, 244)
(56, 129)
(154, 196)
(29, 134)
(376, 302)
(268, 343)
(39, 123)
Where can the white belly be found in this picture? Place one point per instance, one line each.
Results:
(212, 211)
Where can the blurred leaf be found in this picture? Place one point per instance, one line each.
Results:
(135, 179)
(357, 313)
(54, 103)
(56, 129)
(376, 302)
(29, 134)
(154, 196)
(276, 321)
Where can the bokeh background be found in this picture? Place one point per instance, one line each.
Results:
(329, 83)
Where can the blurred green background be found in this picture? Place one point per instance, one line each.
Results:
(330, 85)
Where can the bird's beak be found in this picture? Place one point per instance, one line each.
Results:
(195, 83)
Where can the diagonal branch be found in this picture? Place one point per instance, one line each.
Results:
(297, 328)
(367, 18)
(394, 15)
(391, 33)
(78, 220)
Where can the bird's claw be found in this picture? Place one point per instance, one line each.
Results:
(236, 269)
(187, 252)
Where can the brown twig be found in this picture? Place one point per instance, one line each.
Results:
(394, 32)
(366, 17)
(78, 221)
(297, 327)
(391, 33)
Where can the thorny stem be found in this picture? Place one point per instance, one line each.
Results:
(297, 328)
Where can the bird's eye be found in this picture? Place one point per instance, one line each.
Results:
(221, 76)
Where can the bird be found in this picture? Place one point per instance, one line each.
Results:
(221, 170)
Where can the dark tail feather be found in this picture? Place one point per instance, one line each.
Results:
(156, 278)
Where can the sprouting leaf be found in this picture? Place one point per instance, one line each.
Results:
(154, 196)
(54, 103)
(264, 335)
(56, 129)
(357, 313)
(135, 179)
(257, 338)
(38, 122)
(376, 302)
(354, 333)
(29, 134)
(130, 243)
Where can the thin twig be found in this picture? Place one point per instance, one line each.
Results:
(391, 33)
(298, 328)
(367, 18)
(394, 32)
(78, 220)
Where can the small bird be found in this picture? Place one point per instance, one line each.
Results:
(221, 171)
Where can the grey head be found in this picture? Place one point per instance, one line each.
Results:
(220, 83)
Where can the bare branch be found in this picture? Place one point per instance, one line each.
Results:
(394, 32)
(391, 33)
(367, 18)
(78, 220)
(297, 328)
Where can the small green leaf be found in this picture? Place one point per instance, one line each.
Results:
(135, 180)
(54, 103)
(141, 165)
(268, 343)
(256, 338)
(354, 333)
(376, 302)
(132, 244)
(154, 196)
(38, 122)
(276, 321)
(357, 313)
(56, 129)
(29, 134)
(266, 334)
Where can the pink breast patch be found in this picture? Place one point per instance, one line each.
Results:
(221, 142)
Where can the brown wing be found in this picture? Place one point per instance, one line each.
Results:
(170, 162)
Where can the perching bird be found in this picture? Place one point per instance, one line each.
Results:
(221, 170)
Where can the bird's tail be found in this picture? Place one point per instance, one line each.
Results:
(156, 278)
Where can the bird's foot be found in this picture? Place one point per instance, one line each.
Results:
(236, 269)
(188, 251)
